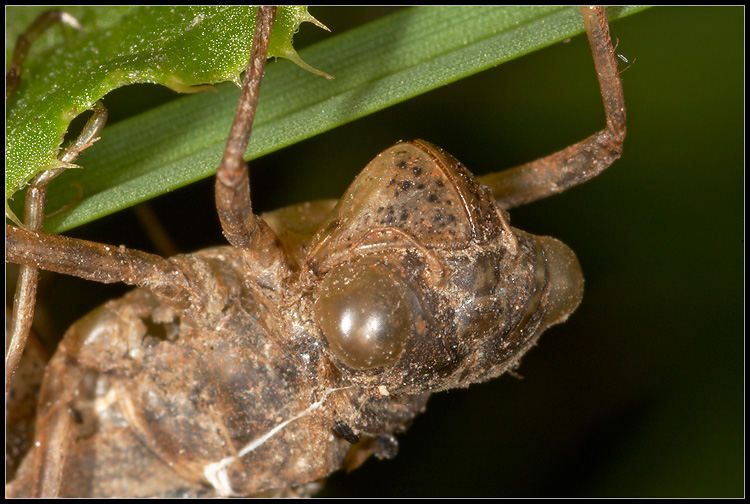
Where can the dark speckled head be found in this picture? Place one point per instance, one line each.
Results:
(421, 282)
(413, 189)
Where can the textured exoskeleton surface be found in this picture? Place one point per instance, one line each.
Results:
(415, 282)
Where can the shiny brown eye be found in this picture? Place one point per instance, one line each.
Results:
(365, 314)
(565, 278)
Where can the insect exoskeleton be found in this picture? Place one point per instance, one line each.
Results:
(424, 285)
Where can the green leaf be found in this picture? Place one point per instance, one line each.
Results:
(375, 66)
(179, 47)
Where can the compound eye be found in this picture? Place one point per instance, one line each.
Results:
(365, 314)
(565, 278)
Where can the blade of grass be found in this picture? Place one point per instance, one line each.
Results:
(375, 66)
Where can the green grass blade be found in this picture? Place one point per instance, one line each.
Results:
(375, 66)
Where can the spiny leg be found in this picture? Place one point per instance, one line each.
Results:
(584, 160)
(36, 196)
(25, 297)
(96, 262)
(232, 188)
(41, 24)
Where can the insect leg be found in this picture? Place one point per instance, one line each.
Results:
(233, 203)
(584, 160)
(36, 196)
(41, 24)
(95, 261)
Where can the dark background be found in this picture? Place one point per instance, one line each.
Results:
(640, 393)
